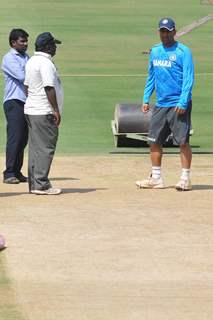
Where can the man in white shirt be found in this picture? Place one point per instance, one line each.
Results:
(43, 113)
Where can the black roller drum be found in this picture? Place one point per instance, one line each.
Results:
(129, 118)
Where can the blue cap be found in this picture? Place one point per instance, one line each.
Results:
(45, 38)
(166, 23)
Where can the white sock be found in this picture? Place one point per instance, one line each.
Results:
(185, 175)
(156, 172)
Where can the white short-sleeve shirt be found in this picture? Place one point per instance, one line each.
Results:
(41, 72)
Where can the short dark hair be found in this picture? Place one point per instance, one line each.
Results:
(16, 33)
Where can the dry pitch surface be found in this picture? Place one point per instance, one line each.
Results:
(104, 250)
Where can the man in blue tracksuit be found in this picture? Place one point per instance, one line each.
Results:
(171, 75)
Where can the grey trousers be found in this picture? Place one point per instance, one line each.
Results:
(43, 136)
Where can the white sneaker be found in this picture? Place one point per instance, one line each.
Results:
(183, 185)
(50, 191)
(151, 183)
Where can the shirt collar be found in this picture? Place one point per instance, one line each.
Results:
(14, 51)
(44, 54)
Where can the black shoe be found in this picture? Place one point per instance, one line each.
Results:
(22, 178)
(11, 180)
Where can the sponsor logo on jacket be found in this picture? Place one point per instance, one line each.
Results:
(162, 63)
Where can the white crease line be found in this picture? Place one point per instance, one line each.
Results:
(120, 75)
(103, 75)
(204, 74)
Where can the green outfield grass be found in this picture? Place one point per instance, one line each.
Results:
(102, 38)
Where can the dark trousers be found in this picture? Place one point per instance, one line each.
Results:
(17, 137)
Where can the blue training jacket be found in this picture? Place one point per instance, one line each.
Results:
(171, 75)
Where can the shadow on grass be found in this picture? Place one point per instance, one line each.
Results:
(12, 194)
(81, 190)
(171, 150)
(64, 191)
(63, 179)
(202, 187)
